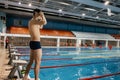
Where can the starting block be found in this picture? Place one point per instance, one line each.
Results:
(18, 64)
(13, 56)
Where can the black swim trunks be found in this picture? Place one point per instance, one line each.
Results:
(35, 45)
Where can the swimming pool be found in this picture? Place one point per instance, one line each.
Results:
(71, 64)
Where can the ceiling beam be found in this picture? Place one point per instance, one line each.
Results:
(97, 4)
(51, 17)
(56, 11)
(98, 11)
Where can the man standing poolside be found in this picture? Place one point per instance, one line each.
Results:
(35, 24)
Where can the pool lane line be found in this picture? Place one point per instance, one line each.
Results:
(87, 51)
(77, 58)
(98, 77)
(21, 54)
(47, 59)
(82, 64)
(99, 56)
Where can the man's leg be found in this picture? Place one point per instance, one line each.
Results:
(37, 57)
(29, 65)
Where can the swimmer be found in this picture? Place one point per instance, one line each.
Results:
(35, 24)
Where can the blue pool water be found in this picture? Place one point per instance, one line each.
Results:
(71, 64)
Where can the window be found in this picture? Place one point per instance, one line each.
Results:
(3, 18)
(17, 22)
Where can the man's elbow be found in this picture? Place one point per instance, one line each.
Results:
(44, 22)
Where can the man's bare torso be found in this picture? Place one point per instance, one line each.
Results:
(34, 30)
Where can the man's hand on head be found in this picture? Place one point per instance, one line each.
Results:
(41, 13)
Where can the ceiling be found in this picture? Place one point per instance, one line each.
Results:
(93, 10)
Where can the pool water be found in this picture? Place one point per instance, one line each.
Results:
(71, 64)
